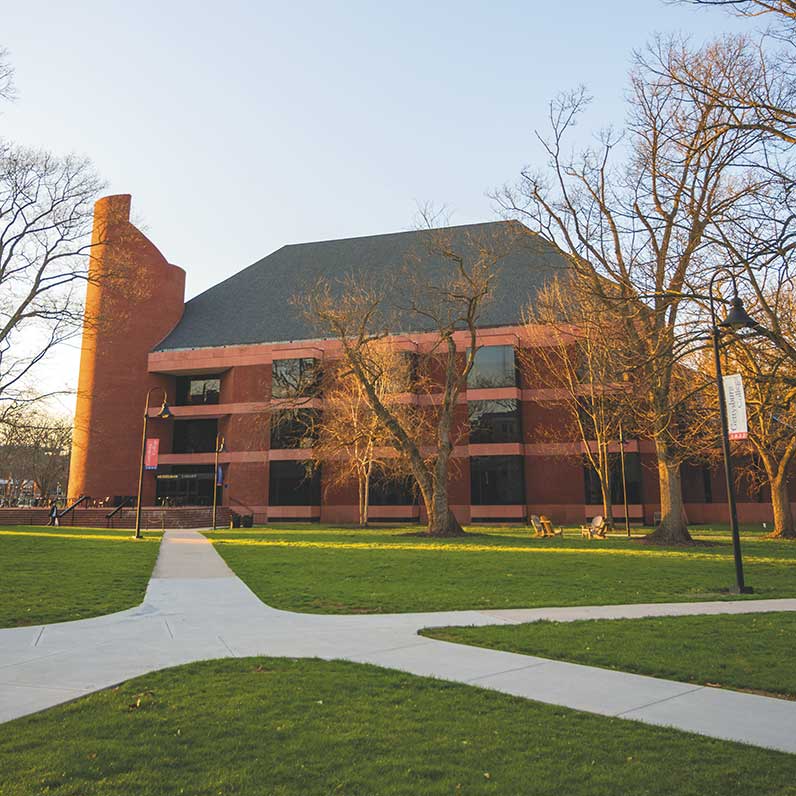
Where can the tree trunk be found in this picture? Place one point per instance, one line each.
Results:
(783, 515)
(444, 525)
(441, 521)
(673, 528)
(366, 498)
(361, 495)
(605, 488)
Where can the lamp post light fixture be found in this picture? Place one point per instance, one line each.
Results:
(164, 413)
(219, 448)
(737, 318)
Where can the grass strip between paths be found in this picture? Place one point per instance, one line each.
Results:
(751, 652)
(293, 728)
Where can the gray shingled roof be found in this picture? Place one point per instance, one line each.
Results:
(254, 305)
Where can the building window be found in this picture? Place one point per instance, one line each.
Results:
(593, 492)
(402, 376)
(290, 484)
(494, 421)
(392, 491)
(192, 390)
(494, 366)
(707, 483)
(496, 481)
(194, 436)
(295, 378)
(294, 428)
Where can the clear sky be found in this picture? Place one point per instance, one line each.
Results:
(242, 126)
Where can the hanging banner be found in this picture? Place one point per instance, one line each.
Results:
(219, 476)
(151, 454)
(736, 406)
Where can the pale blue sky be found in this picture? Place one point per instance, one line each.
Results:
(242, 126)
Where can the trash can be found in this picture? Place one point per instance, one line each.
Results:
(246, 520)
(236, 520)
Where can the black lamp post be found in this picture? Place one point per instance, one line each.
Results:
(163, 413)
(736, 319)
(219, 448)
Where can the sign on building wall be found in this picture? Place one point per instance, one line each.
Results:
(151, 454)
(736, 406)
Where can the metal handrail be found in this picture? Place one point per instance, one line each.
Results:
(72, 507)
(111, 514)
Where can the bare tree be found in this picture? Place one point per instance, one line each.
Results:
(46, 207)
(637, 233)
(35, 448)
(582, 373)
(442, 294)
(759, 90)
(753, 8)
(770, 385)
(7, 90)
(348, 439)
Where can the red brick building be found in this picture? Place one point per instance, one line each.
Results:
(228, 357)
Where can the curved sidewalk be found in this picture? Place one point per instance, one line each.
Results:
(196, 608)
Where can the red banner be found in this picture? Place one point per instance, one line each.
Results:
(151, 454)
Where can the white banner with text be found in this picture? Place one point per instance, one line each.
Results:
(736, 406)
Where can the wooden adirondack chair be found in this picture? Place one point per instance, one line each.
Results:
(596, 529)
(549, 530)
(536, 523)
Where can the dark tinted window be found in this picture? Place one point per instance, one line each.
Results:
(198, 390)
(289, 484)
(496, 480)
(494, 366)
(294, 428)
(194, 436)
(392, 491)
(404, 376)
(632, 477)
(494, 421)
(295, 378)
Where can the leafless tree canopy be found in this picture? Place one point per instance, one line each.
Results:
(6, 76)
(582, 373)
(349, 440)
(34, 449)
(444, 297)
(635, 214)
(753, 8)
(46, 205)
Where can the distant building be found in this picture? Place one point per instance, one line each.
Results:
(227, 356)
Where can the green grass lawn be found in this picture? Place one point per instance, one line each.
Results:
(334, 570)
(58, 574)
(310, 728)
(747, 652)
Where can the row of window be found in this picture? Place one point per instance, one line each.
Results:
(494, 481)
(490, 422)
(494, 366)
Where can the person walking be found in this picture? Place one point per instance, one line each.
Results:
(53, 514)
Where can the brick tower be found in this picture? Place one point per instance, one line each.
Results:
(133, 300)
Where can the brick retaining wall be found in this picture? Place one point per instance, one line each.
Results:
(151, 517)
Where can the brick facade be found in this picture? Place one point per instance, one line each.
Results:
(118, 366)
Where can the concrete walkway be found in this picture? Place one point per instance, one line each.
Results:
(195, 608)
